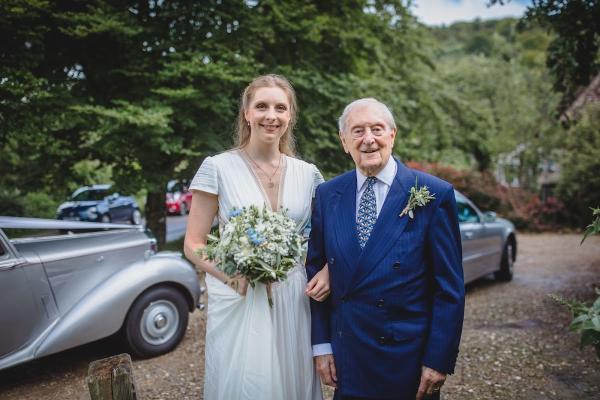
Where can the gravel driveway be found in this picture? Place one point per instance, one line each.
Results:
(515, 342)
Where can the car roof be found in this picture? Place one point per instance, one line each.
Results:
(102, 186)
(41, 223)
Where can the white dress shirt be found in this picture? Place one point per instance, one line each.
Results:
(385, 177)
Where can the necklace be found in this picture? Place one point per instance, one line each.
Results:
(270, 185)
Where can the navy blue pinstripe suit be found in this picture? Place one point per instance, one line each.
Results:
(397, 304)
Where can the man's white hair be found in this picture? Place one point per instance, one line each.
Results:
(363, 102)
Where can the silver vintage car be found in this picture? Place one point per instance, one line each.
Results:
(61, 291)
(489, 243)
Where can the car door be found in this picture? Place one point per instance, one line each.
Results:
(23, 314)
(473, 240)
(119, 207)
(492, 237)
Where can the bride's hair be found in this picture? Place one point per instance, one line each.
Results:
(286, 144)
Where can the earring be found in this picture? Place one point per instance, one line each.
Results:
(248, 122)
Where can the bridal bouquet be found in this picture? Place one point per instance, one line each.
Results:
(257, 243)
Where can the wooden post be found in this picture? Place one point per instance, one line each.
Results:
(111, 378)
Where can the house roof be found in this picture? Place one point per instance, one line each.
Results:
(590, 94)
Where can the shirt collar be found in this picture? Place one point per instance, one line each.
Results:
(386, 175)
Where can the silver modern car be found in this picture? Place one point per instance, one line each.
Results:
(61, 291)
(489, 243)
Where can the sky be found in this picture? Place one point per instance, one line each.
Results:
(438, 12)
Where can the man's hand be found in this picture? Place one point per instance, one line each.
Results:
(326, 368)
(431, 382)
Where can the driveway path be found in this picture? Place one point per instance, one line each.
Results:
(515, 340)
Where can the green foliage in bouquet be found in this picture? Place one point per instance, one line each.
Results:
(586, 320)
(256, 243)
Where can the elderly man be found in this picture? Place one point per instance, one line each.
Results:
(391, 327)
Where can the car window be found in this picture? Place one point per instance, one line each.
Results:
(88, 195)
(466, 213)
(174, 187)
(2, 251)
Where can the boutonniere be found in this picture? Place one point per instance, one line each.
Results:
(419, 197)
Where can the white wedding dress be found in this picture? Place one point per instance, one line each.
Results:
(254, 351)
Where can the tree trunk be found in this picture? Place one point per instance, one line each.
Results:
(156, 216)
(111, 379)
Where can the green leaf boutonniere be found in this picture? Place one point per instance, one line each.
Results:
(419, 196)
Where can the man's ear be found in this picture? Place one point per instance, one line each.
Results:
(343, 140)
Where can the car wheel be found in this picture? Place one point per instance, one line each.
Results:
(105, 219)
(183, 210)
(136, 217)
(505, 273)
(156, 322)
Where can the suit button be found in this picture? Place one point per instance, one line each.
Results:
(396, 265)
(380, 303)
(331, 261)
(382, 340)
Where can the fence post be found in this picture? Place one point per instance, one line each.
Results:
(111, 378)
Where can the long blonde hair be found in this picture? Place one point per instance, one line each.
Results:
(287, 143)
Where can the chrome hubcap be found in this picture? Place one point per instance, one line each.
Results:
(509, 254)
(159, 322)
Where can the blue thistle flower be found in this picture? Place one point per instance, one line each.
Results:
(235, 212)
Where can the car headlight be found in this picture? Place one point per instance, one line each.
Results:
(92, 213)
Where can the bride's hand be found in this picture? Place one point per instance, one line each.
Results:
(318, 287)
(239, 284)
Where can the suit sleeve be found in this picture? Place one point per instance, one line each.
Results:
(315, 261)
(444, 253)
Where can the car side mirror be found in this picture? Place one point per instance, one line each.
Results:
(489, 216)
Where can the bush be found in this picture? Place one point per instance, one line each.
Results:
(11, 203)
(579, 184)
(39, 205)
(586, 320)
(522, 207)
(34, 204)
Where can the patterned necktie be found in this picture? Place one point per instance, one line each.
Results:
(367, 212)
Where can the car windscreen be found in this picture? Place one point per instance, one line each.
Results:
(90, 195)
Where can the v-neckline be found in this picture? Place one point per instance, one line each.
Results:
(260, 186)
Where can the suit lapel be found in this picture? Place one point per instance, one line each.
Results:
(345, 226)
(389, 224)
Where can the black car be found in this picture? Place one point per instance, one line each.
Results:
(98, 203)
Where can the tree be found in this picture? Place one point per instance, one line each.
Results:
(579, 184)
(150, 88)
(574, 53)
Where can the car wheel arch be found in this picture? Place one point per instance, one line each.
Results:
(75, 327)
(175, 285)
(513, 241)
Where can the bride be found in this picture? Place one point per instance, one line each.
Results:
(254, 351)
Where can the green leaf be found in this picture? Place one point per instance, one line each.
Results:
(589, 338)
